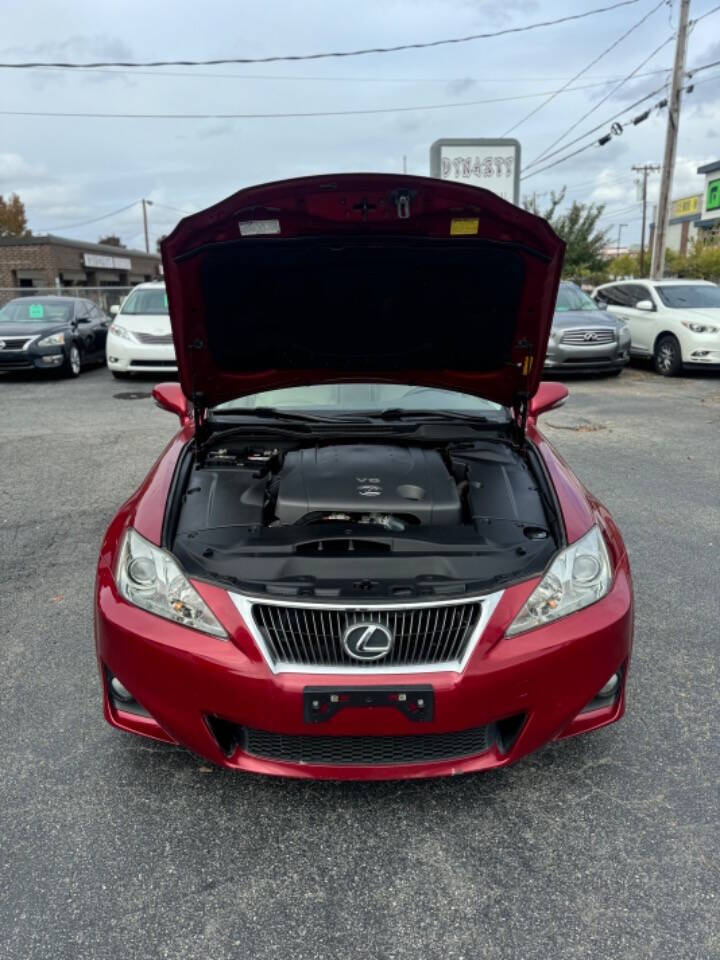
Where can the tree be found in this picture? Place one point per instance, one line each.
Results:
(112, 241)
(578, 227)
(13, 222)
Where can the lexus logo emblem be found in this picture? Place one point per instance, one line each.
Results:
(590, 336)
(367, 641)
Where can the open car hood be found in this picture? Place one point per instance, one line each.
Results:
(362, 277)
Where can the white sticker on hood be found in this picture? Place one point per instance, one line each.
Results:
(253, 228)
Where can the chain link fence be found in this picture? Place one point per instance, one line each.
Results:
(104, 297)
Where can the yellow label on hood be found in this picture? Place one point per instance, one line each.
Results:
(464, 228)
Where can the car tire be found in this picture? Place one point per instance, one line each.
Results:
(667, 358)
(120, 374)
(73, 362)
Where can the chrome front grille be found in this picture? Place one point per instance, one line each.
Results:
(586, 338)
(157, 339)
(14, 343)
(311, 636)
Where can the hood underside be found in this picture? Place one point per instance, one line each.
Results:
(361, 277)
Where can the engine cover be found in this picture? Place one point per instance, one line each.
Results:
(367, 478)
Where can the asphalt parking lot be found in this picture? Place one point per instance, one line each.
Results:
(605, 846)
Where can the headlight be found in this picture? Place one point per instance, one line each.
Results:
(579, 576)
(122, 332)
(54, 340)
(150, 578)
(699, 327)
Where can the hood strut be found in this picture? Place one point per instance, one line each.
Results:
(521, 403)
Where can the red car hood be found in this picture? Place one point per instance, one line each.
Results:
(361, 277)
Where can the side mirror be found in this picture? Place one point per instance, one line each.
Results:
(549, 396)
(170, 397)
(115, 309)
(645, 305)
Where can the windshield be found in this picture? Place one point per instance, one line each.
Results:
(342, 398)
(146, 302)
(690, 296)
(35, 311)
(572, 298)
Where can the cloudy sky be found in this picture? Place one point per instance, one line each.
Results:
(70, 170)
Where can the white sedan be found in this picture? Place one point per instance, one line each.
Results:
(140, 338)
(674, 322)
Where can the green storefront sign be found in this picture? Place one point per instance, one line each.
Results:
(713, 195)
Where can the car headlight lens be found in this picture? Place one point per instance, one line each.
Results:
(54, 340)
(123, 332)
(150, 578)
(578, 576)
(699, 327)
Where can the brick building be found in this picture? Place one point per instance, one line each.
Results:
(49, 261)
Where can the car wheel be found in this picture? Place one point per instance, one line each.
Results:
(120, 374)
(73, 363)
(667, 357)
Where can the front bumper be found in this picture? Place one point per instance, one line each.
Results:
(587, 359)
(34, 358)
(221, 700)
(124, 356)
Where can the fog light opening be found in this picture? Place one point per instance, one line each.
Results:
(610, 687)
(121, 691)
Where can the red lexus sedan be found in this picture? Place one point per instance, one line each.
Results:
(359, 557)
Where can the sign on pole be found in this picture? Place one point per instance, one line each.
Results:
(492, 164)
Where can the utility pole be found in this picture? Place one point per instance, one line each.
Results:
(145, 205)
(657, 268)
(620, 230)
(645, 169)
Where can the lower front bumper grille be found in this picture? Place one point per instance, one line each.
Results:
(367, 750)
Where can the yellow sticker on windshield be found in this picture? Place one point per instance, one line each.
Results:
(464, 228)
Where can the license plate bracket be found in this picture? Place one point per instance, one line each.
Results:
(416, 702)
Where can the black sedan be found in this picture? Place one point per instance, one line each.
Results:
(52, 333)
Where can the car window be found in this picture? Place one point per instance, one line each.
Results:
(342, 397)
(29, 310)
(148, 301)
(96, 313)
(571, 297)
(81, 310)
(615, 296)
(637, 292)
(689, 296)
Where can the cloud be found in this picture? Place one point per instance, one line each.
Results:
(15, 169)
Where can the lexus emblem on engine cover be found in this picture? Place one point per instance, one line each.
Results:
(367, 641)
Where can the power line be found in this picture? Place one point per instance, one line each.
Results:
(85, 223)
(275, 116)
(167, 206)
(690, 73)
(585, 69)
(600, 102)
(616, 129)
(601, 81)
(324, 56)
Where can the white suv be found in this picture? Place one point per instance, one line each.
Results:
(140, 338)
(676, 322)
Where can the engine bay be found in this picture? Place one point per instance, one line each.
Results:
(330, 519)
